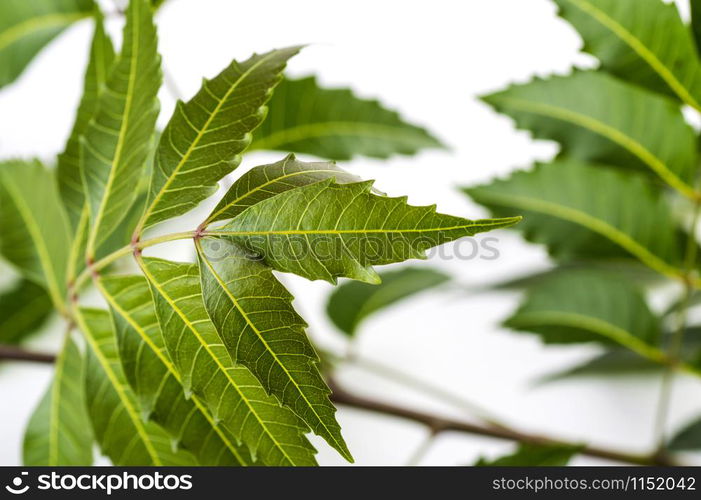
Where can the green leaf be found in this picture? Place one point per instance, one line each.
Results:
(155, 380)
(598, 118)
(273, 434)
(614, 362)
(24, 308)
(114, 412)
(618, 361)
(335, 124)
(118, 238)
(583, 306)
(628, 268)
(26, 27)
(205, 137)
(696, 22)
(34, 227)
(326, 230)
(253, 314)
(352, 302)
(69, 177)
(535, 455)
(58, 433)
(688, 438)
(644, 41)
(266, 181)
(581, 211)
(116, 144)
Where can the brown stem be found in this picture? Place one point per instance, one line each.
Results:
(17, 354)
(441, 424)
(436, 424)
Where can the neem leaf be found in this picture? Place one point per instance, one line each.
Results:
(534, 455)
(618, 361)
(601, 119)
(266, 181)
(116, 142)
(27, 26)
(353, 301)
(156, 382)
(235, 398)
(35, 231)
(333, 123)
(644, 41)
(24, 308)
(582, 211)
(58, 433)
(582, 306)
(114, 411)
(688, 438)
(253, 314)
(326, 230)
(70, 182)
(696, 22)
(205, 137)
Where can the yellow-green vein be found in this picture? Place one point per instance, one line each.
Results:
(131, 411)
(597, 225)
(164, 359)
(36, 24)
(214, 357)
(639, 48)
(193, 145)
(250, 323)
(614, 135)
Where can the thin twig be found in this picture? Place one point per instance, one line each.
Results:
(8, 352)
(440, 424)
(422, 386)
(171, 85)
(421, 450)
(436, 424)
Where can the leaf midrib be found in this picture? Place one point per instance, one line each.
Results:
(39, 243)
(590, 222)
(198, 138)
(36, 24)
(487, 223)
(592, 324)
(250, 323)
(170, 367)
(106, 366)
(122, 131)
(610, 133)
(55, 403)
(261, 186)
(639, 48)
(207, 347)
(331, 128)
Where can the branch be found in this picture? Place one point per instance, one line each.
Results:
(17, 354)
(95, 267)
(439, 424)
(435, 423)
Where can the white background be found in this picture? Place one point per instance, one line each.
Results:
(429, 60)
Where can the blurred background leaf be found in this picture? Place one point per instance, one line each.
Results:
(532, 455)
(582, 306)
(353, 301)
(27, 26)
(304, 117)
(24, 308)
